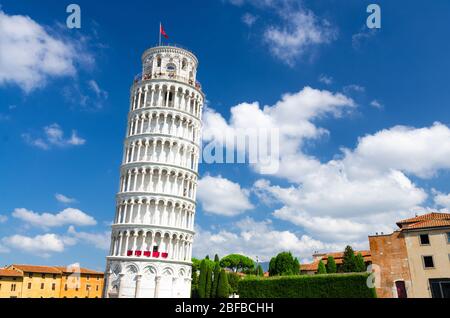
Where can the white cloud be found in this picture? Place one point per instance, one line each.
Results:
(363, 36)
(297, 31)
(253, 238)
(53, 136)
(100, 93)
(222, 196)
(249, 19)
(293, 116)
(47, 220)
(4, 249)
(41, 245)
(442, 200)
(362, 190)
(354, 88)
(30, 54)
(98, 240)
(325, 79)
(301, 31)
(376, 104)
(64, 199)
(3, 218)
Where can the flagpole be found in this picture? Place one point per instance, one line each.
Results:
(159, 33)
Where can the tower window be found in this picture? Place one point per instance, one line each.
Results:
(184, 64)
(158, 62)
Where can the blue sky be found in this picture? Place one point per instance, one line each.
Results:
(382, 95)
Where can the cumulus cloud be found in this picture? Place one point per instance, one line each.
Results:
(293, 116)
(31, 54)
(98, 240)
(297, 30)
(47, 220)
(53, 135)
(360, 191)
(64, 199)
(41, 245)
(258, 239)
(221, 196)
(442, 200)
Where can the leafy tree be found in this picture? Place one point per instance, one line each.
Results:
(208, 283)
(360, 265)
(259, 271)
(349, 260)
(215, 281)
(331, 265)
(202, 280)
(237, 262)
(216, 258)
(321, 269)
(284, 264)
(223, 288)
(207, 257)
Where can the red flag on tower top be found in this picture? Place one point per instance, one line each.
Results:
(162, 31)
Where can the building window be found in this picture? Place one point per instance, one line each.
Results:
(428, 261)
(42, 285)
(13, 287)
(448, 237)
(88, 287)
(54, 276)
(53, 286)
(424, 239)
(158, 61)
(96, 288)
(65, 287)
(29, 285)
(98, 277)
(30, 275)
(1, 284)
(43, 275)
(88, 277)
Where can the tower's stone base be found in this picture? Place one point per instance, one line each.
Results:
(136, 278)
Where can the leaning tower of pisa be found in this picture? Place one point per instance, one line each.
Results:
(152, 234)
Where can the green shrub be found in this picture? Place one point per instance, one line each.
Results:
(321, 268)
(223, 288)
(305, 286)
(331, 265)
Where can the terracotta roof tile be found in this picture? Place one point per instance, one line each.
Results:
(429, 220)
(338, 258)
(424, 217)
(37, 269)
(5, 272)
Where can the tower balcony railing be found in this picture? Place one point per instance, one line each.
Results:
(170, 76)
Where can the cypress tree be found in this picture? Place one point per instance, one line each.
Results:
(331, 265)
(215, 281)
(349, 260)
(223, 288)
(321, 269)
(259, 271)
(216, 258)
(202, 280)
(208, 282)
(360, 266)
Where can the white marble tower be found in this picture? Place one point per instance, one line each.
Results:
(152, 234)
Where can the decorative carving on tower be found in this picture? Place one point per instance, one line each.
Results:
(153, 230)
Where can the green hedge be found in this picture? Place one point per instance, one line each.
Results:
(306, 286)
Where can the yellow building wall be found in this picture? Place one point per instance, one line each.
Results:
(439, 248)
(5, 287)
(32, 286)
(69, 286)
